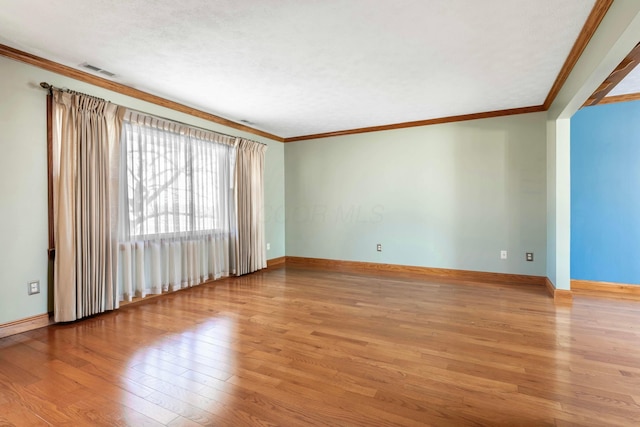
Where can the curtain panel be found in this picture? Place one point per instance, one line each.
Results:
(143, 205)
(251, 254)
(85, 171)
(178, 214)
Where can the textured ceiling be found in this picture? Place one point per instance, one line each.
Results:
(298, 67)
(630, 84)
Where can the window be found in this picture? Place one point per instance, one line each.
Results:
(177, 224)
(177, 180)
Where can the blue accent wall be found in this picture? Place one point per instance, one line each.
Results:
(605, 193)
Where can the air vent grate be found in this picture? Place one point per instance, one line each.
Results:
(90, 67)
(95, 69)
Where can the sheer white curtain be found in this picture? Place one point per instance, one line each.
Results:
(251, 250)
(177, 216)
(85, 140)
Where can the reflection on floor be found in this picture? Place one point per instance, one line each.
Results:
(314, 347)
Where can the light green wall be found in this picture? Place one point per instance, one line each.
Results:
(23, 194)
(274, 198)
(23, 181)
(446, 196)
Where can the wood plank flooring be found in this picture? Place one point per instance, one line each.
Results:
(297, 347)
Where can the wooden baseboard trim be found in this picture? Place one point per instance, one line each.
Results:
(558, 295)
(550, 288)
(474, 276)
(276, 262)
(605, 289)
(24, 325)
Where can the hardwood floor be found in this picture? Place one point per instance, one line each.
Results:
(298, 347)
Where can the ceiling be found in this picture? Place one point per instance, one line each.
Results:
(300, 67)
(630, 84)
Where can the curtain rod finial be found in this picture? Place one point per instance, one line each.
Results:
(45, 85)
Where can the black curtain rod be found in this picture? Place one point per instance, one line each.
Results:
(51, 88)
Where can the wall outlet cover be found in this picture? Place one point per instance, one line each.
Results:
(33, 287)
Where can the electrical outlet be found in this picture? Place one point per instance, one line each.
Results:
(268, 246)
(33, 287)
(529, 256)
(503, 254)
(379, 247)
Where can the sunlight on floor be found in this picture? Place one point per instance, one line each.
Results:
(192, 365)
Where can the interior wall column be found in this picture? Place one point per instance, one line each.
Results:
(559, 202)
(617, 34)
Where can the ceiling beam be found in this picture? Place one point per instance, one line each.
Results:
(622, 70)
(592, 23)
(620, 98)
(615, 37)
